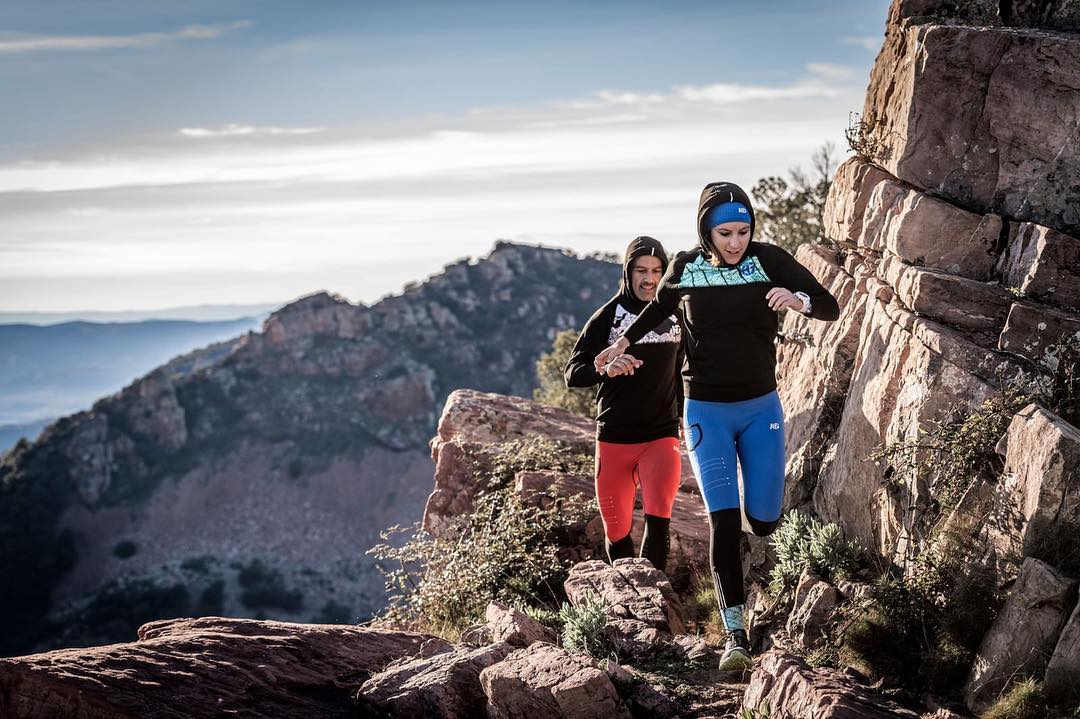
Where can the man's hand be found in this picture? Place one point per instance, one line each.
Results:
(780, 298)
(623, 364)
(602, 359)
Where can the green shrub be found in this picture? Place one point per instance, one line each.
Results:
(865, 137)
(804, 543)
(790, 212)
(583, 627)
(761, 712)
(504, 550)
(547, 617)
(552, 387)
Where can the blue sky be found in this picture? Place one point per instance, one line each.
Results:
(182, 152)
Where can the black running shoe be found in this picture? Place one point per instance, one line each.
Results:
(736, 652)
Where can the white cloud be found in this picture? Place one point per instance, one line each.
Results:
(15, 43)
(235, 130)
(298, 211)
(829, 71)
(870, 43)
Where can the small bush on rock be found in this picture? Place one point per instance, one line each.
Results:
(803, 542)
(1024, 700)
(583, 627)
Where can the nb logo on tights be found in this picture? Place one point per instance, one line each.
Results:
(774, 425)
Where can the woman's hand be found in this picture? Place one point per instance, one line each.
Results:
(780, 298)
(623, 364)
(602, 359)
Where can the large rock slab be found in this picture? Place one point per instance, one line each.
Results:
(985, 117)
(1055, 14)
(954, 300)
(1024, 634)
(443, 686)
(813, 371)
(929, 232)
(1043, 264)
(907, 372)
(208, 667)
(547, 681)
(643, 611)
(1029, 329)
(793, 689)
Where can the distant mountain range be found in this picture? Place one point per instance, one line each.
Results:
(52, 370)
(194, 313)
(250, 477)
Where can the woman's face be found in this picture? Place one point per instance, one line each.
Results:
(730, 240)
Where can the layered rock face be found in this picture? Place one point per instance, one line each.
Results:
(957, 267)
(249, 479)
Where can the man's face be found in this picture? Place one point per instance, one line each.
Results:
(645, 274)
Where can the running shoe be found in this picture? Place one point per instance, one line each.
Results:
(736, 652)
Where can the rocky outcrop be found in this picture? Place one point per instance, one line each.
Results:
(1064, 665)
(208, 667)
(791, 688)
(545, 680)
(472, 421)
(1024, 634)
(812, 610)
(248, 479)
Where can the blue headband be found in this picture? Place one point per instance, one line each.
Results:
(727, 212)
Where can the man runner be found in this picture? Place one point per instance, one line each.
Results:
(638, 406)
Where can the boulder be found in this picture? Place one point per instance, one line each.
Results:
(812, 610)
(1035, 508)
(515, 627)
(1043, 264)
(214, 666)
(543, 680)
(793, 689)
(633, 590)
(1052, 14)
(929, 232)
(946, 99)
(446, 685)
(1064, 666)
(1030, 329)
(1024, 634)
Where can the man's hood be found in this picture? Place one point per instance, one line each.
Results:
(639, 247)
(717, 193)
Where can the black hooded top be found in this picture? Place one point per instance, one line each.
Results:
(647, 404)
(730, 332)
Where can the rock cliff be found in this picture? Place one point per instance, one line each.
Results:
(248, 479)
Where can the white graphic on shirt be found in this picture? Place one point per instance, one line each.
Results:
(667, 331)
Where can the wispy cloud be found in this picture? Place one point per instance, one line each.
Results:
(829, 71)
(16, 43)
(236, 130)
(871, 43)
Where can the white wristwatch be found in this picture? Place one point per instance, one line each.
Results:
(805, 302)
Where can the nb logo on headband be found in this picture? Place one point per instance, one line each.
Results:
(742, 211)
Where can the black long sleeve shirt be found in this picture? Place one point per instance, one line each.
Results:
(729, 331)
(633, 408)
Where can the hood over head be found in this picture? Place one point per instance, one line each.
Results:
(639, 247)
(717, 193)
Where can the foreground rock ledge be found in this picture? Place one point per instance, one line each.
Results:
(207, 667)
